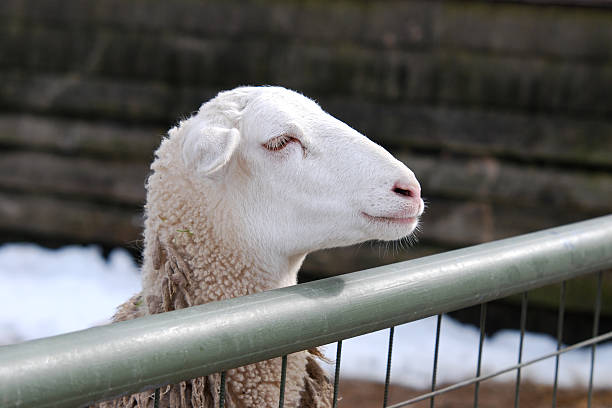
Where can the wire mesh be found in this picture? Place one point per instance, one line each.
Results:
(434, 371)
(559, 339)
(337, 373)
(156, 399)
(483, 317)
(598, 339)
(388, 371)
(222, 391)
(283, 381)
(596, 315)
(521, 364)
(517, 388)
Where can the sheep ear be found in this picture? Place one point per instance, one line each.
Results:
(209, 149)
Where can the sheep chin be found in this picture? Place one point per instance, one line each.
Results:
(387, 230)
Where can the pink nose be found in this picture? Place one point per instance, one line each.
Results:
(407, 189)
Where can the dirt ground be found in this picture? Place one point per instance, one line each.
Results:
(363, 394)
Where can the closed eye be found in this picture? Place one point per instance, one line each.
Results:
(279, 143)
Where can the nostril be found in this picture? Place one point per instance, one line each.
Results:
(407, 189)
(403, 192)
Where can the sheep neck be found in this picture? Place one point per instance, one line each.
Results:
(217, 264)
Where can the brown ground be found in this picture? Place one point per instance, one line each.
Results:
(364, 394)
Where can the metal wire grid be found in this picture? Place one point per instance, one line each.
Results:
(592, 342)
(478, 378)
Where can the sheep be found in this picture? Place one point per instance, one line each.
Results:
(239, 194)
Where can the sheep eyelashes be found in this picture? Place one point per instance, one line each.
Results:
(233, 209)
(280, 142)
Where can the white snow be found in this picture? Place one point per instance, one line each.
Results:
(365, 357)
(46, 292)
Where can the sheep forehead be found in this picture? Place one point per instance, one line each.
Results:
(275, 110)
(278, 95)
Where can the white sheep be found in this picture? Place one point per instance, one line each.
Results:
(239, 194)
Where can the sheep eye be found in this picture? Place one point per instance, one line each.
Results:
(278, 143)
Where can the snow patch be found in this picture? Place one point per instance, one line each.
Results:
(365, 357)
(45, 292)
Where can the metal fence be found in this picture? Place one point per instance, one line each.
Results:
(126, 357)
(520, 364)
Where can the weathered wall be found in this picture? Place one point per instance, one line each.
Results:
(503, 110)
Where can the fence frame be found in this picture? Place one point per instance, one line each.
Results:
(145, 353)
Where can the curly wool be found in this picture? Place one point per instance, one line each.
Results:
(187, 262)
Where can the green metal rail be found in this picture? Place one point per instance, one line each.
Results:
(103, 362)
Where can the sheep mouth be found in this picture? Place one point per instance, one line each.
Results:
(391, 220)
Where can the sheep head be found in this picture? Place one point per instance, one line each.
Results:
(288, 178)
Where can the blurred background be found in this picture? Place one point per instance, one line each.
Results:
(503, 109)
